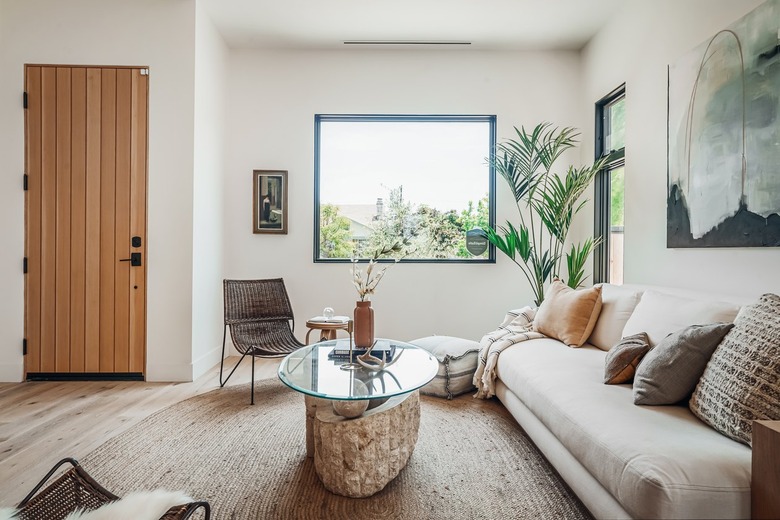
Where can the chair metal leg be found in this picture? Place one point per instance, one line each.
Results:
(222, 362)
(253, 381)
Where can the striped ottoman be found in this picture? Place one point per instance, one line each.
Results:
(457, 359)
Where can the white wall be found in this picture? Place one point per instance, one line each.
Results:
(636, 48)
(211, 55)
(156, 33)
(272, 101)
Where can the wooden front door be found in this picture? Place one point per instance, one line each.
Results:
(86, 163)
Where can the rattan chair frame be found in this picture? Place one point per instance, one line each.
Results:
(75, 489)
(260, 320)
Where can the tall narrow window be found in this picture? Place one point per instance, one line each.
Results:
(610, 194)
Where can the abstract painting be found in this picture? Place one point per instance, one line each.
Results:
(724, 137)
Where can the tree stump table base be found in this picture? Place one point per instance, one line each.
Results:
(358, 457)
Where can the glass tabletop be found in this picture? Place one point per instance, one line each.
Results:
(314, 371)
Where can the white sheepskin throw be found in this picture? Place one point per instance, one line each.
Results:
(7, 513)
(138, 505)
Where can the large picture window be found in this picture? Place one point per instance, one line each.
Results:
(421, 180)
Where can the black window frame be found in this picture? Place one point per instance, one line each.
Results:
(603, 186)
(490, 119)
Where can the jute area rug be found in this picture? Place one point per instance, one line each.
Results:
(472, 461)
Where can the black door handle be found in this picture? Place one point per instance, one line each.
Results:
(135, 259)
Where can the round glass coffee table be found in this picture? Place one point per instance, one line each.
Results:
(361, 425)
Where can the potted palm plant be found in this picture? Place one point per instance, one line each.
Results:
(547, 203)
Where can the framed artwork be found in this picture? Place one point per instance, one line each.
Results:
(269, 213)
(724, 130)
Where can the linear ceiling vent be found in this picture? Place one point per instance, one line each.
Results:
(406, 42)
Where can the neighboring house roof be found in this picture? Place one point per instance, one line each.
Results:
(361, 213)
(361, 218)
(358, 231)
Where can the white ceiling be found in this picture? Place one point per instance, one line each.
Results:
(488, 24)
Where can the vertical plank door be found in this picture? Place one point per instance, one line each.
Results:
(85, 218)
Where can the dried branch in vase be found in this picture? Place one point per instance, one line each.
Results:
(366, 283)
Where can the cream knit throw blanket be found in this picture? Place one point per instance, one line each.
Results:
(517, 327)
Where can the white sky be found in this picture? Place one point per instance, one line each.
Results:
(441, 164)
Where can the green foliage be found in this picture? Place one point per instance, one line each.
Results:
(426, 231)
(576, 260)
(617, 202)
(438, 233)
(395, 223)
(551, 201)
(335, 239)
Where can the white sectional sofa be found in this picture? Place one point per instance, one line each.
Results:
(624, 460)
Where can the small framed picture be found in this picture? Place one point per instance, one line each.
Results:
(270, 202)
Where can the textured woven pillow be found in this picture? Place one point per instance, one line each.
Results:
(622, 359)
(568, 315)
(669, 372)
(742, 380)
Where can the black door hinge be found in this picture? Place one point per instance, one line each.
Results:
(24, 100)
(24, 265)
(24, 347)
(26, 182)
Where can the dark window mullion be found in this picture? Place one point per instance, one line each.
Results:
(603, 186)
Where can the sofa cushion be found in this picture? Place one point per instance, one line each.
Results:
(622, 360)
(658, 462)
(457, 359)
(617, 304)
(660, 314)
(742, 380)
(568, 315)
(669, 372)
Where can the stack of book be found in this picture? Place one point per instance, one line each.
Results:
(381, 348)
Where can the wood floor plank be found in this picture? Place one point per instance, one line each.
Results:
(42, 422)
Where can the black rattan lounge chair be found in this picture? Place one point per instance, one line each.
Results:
(76, 490)
(261, 322)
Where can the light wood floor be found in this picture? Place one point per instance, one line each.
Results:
(43, 422)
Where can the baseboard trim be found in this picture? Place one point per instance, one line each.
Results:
(169, 373)
(11, 372)
(205, 362)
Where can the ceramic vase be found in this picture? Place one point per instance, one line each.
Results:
(364, 324)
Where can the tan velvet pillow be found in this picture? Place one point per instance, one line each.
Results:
(622, 359)
(568, 315)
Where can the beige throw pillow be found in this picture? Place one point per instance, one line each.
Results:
(568, 315)
(660, 314)
(617, 305)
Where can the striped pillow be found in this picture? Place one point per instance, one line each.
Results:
(457, 359)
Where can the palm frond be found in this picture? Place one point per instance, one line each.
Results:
(576, 260)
